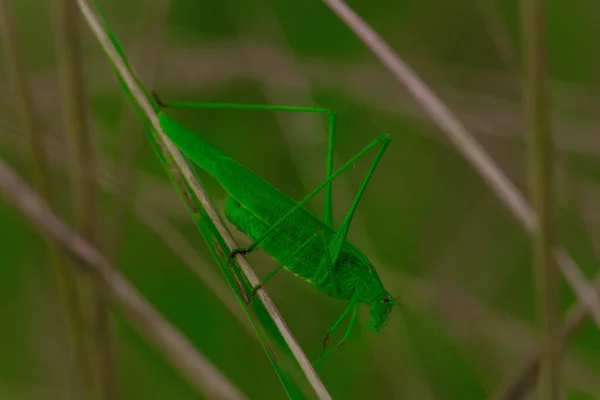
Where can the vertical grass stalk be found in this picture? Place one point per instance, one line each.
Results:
(542, 192)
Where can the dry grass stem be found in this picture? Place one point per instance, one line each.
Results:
(541, 165)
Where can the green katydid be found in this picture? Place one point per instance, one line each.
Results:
(301, 242)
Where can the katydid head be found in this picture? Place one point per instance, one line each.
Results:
(380, 312)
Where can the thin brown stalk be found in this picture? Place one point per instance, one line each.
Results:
(197, 369)
(65, 280)
(305, 365)
(542, 192)
(82, 168)
(152, 32)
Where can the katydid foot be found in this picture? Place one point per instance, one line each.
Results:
(255, 289)
(235, 252)
(160, 103)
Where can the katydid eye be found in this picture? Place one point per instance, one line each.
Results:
(385, 299)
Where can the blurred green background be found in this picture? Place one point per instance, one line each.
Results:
(442, 242)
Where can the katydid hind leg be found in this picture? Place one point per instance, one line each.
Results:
(338, 239)
(332, 250)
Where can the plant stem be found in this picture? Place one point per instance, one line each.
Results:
(542, 193)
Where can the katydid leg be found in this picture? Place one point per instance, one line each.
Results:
(337, 241)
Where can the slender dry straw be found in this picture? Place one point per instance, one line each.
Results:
(542, 192)
(473, 152)
(84, 196)
(198, 370)
(65, 280)
(305, 365)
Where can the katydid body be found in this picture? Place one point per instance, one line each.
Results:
(305, 245)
